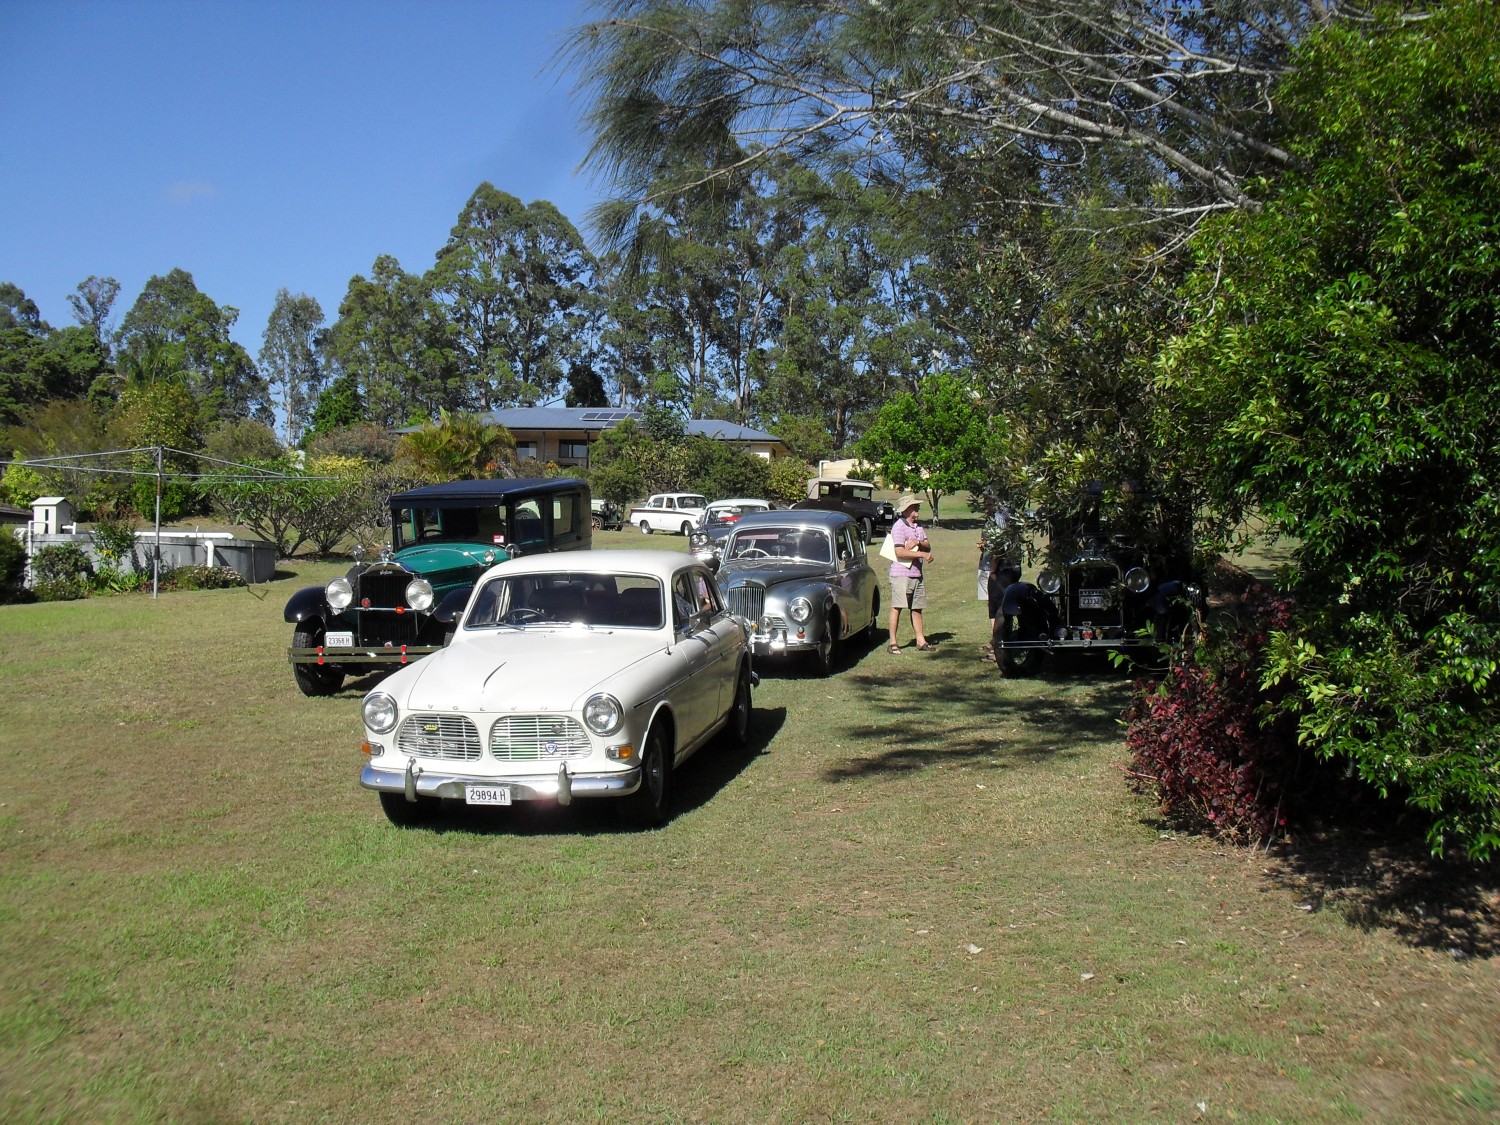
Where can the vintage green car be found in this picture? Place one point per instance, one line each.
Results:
(404, 604)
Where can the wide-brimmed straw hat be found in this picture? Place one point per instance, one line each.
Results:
(908, 501)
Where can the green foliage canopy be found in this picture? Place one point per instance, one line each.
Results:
(1341, 378)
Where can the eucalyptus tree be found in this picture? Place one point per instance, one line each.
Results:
(171, 312)
(92, 301)
(394, 343)
(513, 282)
(38, 363)
(290, 359)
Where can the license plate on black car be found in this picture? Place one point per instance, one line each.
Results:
(1093, 599)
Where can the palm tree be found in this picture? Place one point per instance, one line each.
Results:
(459, 446)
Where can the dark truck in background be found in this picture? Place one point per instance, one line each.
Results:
(855, 498)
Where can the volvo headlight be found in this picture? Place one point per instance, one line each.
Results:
(603, 714)
(799, 610)
(1050, 581)
(339, 592)
(380, 712)
(419, 594)
(1136, 580)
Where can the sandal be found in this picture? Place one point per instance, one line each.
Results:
(926, 647)
(893, 649)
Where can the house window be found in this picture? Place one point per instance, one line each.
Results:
(526, 451)
(573, 450)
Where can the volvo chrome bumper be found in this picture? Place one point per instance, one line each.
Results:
(417, 781)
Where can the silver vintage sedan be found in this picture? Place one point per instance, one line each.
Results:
(586, 675)
(802, 581)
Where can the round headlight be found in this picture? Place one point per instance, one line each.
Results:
(1136, 580)
(380, 712)
(603, 714)
(799, 610)
(1049, 581)
(339, 592)
(419, 594)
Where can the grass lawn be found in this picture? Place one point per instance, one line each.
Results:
(924, 894)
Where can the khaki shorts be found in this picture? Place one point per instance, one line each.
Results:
(908, 592)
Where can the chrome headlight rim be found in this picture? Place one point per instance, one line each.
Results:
(1137, 580)
(799, 609)
(339, 594)
(380, 712)
(1049, 581)
(419, 594)
(603, 714)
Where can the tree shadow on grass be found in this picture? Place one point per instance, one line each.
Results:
(969, 715)
(696, 782)
(1384, 878)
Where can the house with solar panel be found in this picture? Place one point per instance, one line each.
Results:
(563, 434)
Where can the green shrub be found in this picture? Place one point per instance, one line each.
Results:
(60, 589)
(12, 568)
(201, 578)
(59, 563)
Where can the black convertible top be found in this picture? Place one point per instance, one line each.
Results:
(469, 493)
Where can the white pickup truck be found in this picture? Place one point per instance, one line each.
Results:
(668, 511)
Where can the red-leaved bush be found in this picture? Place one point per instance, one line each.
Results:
(1204, 739)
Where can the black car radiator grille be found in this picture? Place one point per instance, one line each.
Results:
(379, 624)
(1093, 583)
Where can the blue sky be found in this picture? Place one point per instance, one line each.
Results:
(268, 145)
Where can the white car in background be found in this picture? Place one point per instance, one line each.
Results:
(668, 511)
(590, 675)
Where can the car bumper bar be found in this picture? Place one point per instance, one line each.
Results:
(416, 781)
(397, 654)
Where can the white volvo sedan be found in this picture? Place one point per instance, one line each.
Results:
(592, 674)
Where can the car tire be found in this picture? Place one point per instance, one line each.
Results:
(687, 528)
(866, 531)
(826, 655)
(314, 679)
(409, 814)
(1015, 664)
(737, 728)
(872, 630)
(648, 806)
(645, 527)
(598, 524)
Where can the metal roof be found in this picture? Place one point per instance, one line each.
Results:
(596, 418)
(465, 493)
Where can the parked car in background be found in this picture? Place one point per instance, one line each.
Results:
(856, 498)
(1098, 592)
(403, 605)
(718, 520)
(803, 582)
(668, 511)
(583, 676)
(607, 515)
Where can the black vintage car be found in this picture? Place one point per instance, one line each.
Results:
(856, 499)
(1096, 592)
(403, 605)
